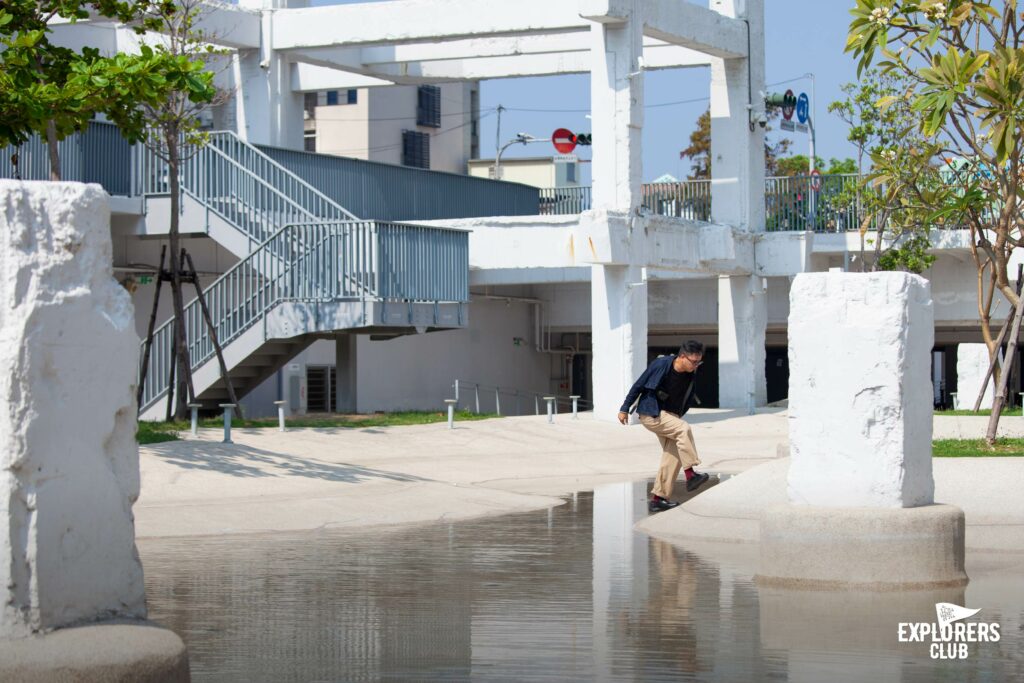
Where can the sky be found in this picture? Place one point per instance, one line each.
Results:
(801, 36)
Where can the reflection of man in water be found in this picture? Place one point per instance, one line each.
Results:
(662, 395)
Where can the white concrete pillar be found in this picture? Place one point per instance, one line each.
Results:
(266, 109)
(616, 106)
(972, 362)
(619, 326)
(69, 464)
(345, 373)
(742, 320)
(860, 404)
(737, 140)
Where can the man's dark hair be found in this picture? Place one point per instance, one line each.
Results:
(691, 348)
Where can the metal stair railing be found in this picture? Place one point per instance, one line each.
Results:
(241, 184)
(339, 261)
(493, 393)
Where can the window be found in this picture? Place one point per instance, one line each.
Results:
(309, 102)
(309, 141)
(332, 97)
(352, 97)
(428, 106)
(415, 149)
(570, 173)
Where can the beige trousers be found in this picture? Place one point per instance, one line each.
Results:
(677, 449)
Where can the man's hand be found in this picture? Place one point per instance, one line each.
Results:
(623, 418)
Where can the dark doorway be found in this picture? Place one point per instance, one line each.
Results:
(776, 373)
(581, 376)
(320, 381)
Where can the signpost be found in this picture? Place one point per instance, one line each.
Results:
(563, 140)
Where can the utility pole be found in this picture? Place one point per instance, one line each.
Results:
(497, 145)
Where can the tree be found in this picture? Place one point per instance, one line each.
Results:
(964, 65)
(55, 91)
(175, 136)
(699, 150)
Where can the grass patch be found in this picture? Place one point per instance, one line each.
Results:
(155, 432)
(1006, 412)
(977, 448)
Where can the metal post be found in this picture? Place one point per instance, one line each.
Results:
(195, 418)
(952, 400)
(280, 414)
(451, 412)
(517, 402)
(476, 393)
(228, 407)
(456, 390)
(575, 411)
(536, 404)
(497, 401)
(551, 417)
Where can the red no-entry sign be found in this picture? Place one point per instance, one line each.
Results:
(564, 140)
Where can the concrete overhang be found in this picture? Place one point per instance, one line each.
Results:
(418, 21)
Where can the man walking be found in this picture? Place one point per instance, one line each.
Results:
(662, 395)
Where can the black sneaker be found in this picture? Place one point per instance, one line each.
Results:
(658, 504)
(696, 481)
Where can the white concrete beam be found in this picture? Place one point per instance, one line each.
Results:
(228, 26)
(312, 78)
(417, 21)
(576, 41)
(699, 28)
(482, 68)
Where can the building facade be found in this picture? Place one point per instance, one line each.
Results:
(565, 300)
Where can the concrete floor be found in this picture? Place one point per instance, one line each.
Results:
(329, 478)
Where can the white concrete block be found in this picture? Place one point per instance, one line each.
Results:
(860, 407)
(69, 464)
(972, 362)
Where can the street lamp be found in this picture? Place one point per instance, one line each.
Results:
(521, 138)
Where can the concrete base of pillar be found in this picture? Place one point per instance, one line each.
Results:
(109, 651)
(810, 547)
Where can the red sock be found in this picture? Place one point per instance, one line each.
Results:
(689, 473)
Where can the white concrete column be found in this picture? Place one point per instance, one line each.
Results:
(266, 109)
(972, 362)
(69, 463)
(742, 320)
(737, 152)
(860, 404)
(618, 311)
(345, 373)
(616, 106)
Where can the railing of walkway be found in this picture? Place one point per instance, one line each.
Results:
(97, 155)
(340, 261)
(509, 401)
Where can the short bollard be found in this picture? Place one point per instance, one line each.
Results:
(195, 418)
(952, 399)
(575, 411)
(228, 407)
(451, 412)
(551, 408)
(280, 414)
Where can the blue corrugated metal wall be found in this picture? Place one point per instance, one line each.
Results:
(394, 193)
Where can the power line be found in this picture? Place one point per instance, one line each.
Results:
(587, 111)
(392, 118)
(385, 148)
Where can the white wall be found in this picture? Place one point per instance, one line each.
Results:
(417, 371)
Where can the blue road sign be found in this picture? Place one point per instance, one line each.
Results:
(803, 108)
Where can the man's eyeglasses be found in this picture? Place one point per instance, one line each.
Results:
(696, 363)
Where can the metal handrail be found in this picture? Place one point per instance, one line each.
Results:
(336, 261)
(496, 392)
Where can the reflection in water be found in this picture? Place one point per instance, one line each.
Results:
(571, 593)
